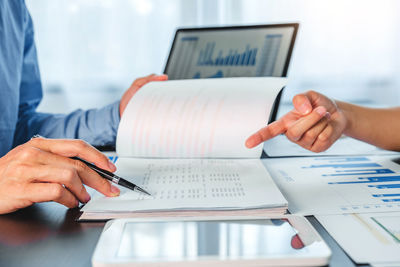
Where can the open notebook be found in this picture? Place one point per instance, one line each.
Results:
(183, 141)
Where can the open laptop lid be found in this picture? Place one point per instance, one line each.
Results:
(236, 51)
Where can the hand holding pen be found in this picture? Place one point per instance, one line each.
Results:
(41, 170)
(108, 175)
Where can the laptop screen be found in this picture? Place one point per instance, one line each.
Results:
(242, 51)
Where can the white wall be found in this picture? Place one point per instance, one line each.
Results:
(347, 49)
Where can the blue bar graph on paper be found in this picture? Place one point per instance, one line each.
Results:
(385, 186)
(359, 172)
(378, 179)
(347, 159)
(113, 159)
(232, 58)
(386, 195)
(352, 165)
(391, 200)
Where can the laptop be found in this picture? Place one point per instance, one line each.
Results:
(236, 51)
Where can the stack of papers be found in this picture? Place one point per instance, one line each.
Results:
(190, 187)
(356, 198)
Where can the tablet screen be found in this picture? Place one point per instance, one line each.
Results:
(178, 241)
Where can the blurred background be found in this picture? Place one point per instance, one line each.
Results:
(90, 51)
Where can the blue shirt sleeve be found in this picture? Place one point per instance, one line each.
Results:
(96, 126)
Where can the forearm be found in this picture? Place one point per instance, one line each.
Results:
(97, 126)
(379, 127)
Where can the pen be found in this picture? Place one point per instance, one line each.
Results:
(112, 177)
(109, 175)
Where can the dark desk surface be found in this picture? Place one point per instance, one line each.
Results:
(46, 234)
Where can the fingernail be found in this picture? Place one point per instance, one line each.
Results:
(328, 115)
(112, 166)
(305, 109)
(115, 191)
(76, 203)
(87, 198)
(249, 143)
(320, 110)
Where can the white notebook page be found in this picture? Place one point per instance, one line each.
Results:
(207, 118)
(192, 184)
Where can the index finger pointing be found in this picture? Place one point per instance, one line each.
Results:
(266, 133)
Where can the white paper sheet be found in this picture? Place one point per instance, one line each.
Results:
(385, 264)
(280, 146)
(336, 185)
(192, 184)
(369, 237)
(206, 118)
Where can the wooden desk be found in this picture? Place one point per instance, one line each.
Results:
(46, 234)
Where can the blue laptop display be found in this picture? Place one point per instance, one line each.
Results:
(241, 51)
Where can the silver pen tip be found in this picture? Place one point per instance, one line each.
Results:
(142, 190)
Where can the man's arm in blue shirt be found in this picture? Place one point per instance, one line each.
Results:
(96, 126)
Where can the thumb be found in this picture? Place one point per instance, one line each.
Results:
(161, 77)
(302, 104)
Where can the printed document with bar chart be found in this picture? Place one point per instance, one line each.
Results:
(337, 185)
(184, 142)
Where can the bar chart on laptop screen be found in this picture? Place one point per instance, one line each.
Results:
(230, 54)
(335, 185)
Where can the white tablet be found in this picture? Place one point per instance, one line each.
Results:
(284, 241)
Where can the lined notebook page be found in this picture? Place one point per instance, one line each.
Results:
(207, 118)
(198, 184)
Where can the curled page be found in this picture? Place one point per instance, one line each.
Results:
(207, 118)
